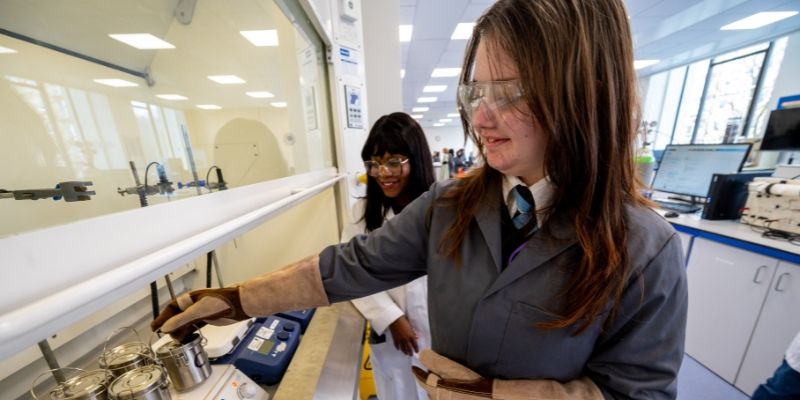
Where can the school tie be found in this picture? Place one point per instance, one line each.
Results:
(526, 207)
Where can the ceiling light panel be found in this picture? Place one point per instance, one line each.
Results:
(260, 95)
(116, 82)
(434, 88)
(446, 120)
(402, 73)
(427, 99)
(405, 32)
(445, 72)
(142, 41)
(463, 31)
(639, 64)
(758, 20)
(208, 106)
(227, 79)
(420, 109)
(262, 38)
(278, 104)
(6, 50)
(438, 124)
(175, 97)
(416, 116)
(453, 115)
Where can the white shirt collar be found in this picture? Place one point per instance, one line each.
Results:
(542, 192)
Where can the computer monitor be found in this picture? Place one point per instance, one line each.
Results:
(783, 130)
(687, 169)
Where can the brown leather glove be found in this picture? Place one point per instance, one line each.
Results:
(191, 311)
(449, 380)
(296, 287)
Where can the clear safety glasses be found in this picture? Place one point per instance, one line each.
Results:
(496, 96)
(394, 166)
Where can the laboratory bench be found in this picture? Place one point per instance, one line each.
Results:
(328, 360)
(744, 293)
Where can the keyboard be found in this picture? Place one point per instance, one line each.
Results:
(683, 208)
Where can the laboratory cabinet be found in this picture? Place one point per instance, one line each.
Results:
(777, 325)
(686, 244)
(741, 316)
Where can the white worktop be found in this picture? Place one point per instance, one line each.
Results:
(732, 229)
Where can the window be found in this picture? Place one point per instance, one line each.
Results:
(729, 91)
(690, 103)
(716, 100)
(758, 121)
(241, 88)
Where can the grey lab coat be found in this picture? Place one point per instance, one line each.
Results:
(484, 317)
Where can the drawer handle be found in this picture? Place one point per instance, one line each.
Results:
(757, 278)
(778, 287)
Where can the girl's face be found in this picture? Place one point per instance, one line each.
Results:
(513, 140)
(392, 174)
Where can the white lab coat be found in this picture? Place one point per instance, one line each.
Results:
(444, 172)
(391, 368)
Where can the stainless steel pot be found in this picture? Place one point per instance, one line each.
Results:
(125, 357)
(145, 383)
(187, 364)
(87, 385)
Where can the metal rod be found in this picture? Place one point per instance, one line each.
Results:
(52, 363)
(169, 287)
(208, 270)
(82, 56)
(154, 299)
(217, 268)
(190, 156)
(193, 167)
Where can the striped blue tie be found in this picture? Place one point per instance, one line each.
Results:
(526, 207)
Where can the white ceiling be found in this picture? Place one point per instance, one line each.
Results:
(209, 45)
(673, 31)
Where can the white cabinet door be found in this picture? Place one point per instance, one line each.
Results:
(777, 326)
(686, 242)
(726, 290)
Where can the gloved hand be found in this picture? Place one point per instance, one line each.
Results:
(449, 380)
(193, 310)
(296, 287)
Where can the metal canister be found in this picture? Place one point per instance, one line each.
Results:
(145, 383)
(125, 357)
(186, 363)
(86, 385)
(90, 385)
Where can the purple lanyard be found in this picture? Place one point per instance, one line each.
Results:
(519, 249)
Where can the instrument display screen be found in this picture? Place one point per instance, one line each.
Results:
(266, 346)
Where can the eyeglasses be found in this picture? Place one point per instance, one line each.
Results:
(393, 165)
(498, 96)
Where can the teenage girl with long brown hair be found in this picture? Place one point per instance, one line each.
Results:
(548, 275)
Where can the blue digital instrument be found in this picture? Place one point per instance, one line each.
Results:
(266, 351)
(303, 317)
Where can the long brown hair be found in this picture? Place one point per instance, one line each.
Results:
(575, 62)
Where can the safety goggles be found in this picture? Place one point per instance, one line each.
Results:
(394, 166)
(497, 96)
